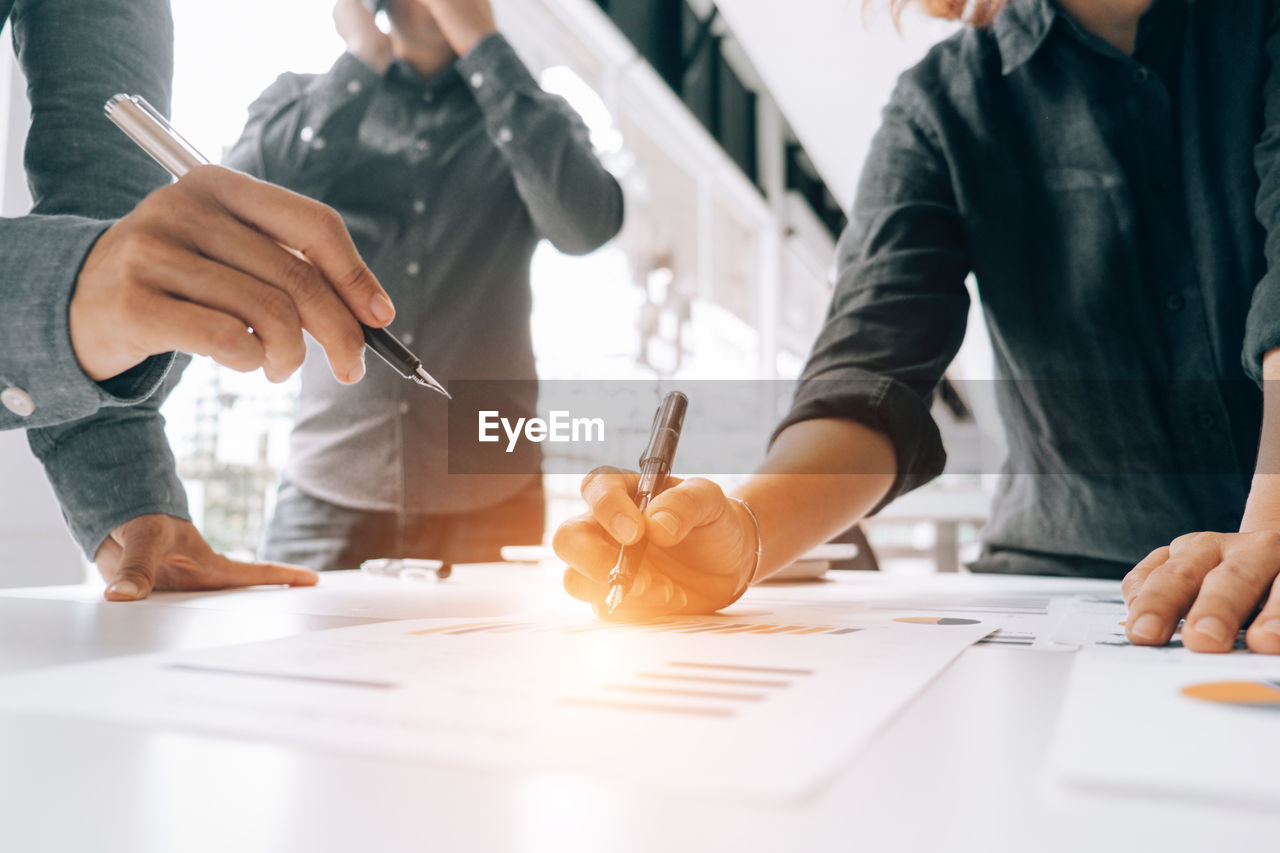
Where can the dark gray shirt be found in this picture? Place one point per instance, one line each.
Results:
(446, 185)
(102, 444)
(1120, 216)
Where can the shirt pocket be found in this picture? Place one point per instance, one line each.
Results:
(1064, 261)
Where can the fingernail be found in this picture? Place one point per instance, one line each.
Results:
(382, 309)
(625, 528)
(357, 373)
(1271, 626)
(1146, 627)
(124, 589)
(667, 522)
(1213, 628)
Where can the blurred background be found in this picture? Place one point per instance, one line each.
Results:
(737, 129)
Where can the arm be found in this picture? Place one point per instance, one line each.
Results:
(859, 432)
(81, 176)
(117, 460)
(573, 200)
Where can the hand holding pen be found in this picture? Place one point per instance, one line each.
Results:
(700, 554)
(200, 266)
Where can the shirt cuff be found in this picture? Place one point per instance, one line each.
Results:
(1262, 327)
(494, 73)
(109, 469)
(884, 405)
(41, 257)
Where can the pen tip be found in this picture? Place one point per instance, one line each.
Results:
(614, 599)
(423, 378)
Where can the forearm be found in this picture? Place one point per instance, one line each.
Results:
(819, 478)
(1262, 512)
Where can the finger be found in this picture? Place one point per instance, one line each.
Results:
(1168, 592)
(312, 228)
(172, 324)
(1227, 598)
(142, 543)
(608, 493)
(584, 588)
(1132, 583)
(200, 568)
(1264, 634)
(320, 309)
(249, 573)
(694, 503)
(266, 310)
(586, 547)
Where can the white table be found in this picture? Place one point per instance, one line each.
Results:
(961, 769)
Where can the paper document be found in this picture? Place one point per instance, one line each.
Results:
(1167, 721)
(766, 705)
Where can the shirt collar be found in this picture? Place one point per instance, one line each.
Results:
(1022, 27)
(402, 73)
(1020, 30)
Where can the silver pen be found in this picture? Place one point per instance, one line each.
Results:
(143, 123)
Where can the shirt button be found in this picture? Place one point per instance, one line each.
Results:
(1141, 75)
(419, 206)
(504, 135)
(422, 145)
(307, 134)
(1206, 420)
(406, 338)
(477, 80)
(1175, 302)
(413, 268)
(354, 87)
(17, 401)
(404, 407)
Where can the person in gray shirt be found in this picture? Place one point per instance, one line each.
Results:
(113, 271)
(449, 163)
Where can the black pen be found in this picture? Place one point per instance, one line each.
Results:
(655, 465)
(142, 123)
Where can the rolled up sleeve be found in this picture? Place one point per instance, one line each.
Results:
(898, 314)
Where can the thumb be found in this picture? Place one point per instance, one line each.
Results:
(141, 552)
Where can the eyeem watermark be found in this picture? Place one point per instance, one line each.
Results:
(559, 427)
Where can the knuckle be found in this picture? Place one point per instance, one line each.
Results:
(300, 280)
(1268, 540)
(279, 308)
(1233, 573)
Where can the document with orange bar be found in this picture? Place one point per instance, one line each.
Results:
(766, 705)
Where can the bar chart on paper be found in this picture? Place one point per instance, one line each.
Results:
(766, 706)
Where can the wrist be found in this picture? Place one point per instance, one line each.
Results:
(755, 543)
(464, 42)
(376, 55)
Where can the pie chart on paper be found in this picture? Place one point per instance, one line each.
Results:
(936, 620)
(1255, 694)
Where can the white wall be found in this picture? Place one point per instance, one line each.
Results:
(35, 548)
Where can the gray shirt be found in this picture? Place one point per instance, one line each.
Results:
(102, 444)
(446, 185)
(1121, 215)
